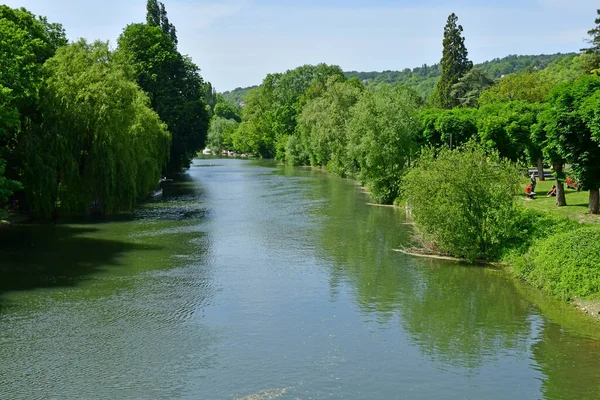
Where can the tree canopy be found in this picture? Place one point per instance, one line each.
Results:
(77, 132)
(174, 85)
(100, 144)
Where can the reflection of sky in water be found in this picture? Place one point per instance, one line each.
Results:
(248, 280)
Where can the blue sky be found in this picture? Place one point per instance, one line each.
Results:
(237, 42)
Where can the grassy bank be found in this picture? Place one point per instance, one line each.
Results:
(561, 255)
(576, 208)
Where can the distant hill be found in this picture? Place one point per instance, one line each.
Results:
(422, 79)
(237, 95)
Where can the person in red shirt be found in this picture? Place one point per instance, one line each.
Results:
(528, 192)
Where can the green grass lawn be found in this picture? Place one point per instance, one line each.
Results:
(576, 208)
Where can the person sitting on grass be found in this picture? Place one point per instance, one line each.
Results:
(552, 192)
(569, 182)
(529, 192)
(573, 183)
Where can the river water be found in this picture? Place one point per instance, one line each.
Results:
(251, 281)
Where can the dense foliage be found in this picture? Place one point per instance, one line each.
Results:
(100, 142)
(77, 133)
(570, 126)
(322, 136)
(271, 111)
(422, 79)
(564, 264)
(173, 84)
(220, 133)
(382, 138)
(463, 200)
(27, 42)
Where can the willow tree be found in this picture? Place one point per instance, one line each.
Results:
(455, 63)
(322, 126)
(382, 138)
(100, 144)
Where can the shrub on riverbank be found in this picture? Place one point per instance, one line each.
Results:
(463, 201)
(530, 227)
(565, 264)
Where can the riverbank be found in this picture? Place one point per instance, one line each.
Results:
(532, 224)
(562, 264)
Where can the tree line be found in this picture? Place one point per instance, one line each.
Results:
(316, 115)
(86, 128)
(422, 79)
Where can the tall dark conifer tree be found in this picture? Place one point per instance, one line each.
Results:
(455, 63)
(594, 49)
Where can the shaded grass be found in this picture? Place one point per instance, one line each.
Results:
(576, 208)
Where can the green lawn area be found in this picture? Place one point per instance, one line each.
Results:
(576, 208)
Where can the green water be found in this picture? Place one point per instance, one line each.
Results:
(252, 281)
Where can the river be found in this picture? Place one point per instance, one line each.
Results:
(252, 281)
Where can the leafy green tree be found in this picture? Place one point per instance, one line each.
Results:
(463, 200)
(227, 111)
(26, 43)
(175, 88)
(447, 127)
(322, 126)
(570, 131)
(271, 110)
(220, 133)
(470, 86)
(590, 112)
(528, 86)
(210, 98)
(382, 138)
(100, 143)
(9, 120)
(455, 63)
(506, 128)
